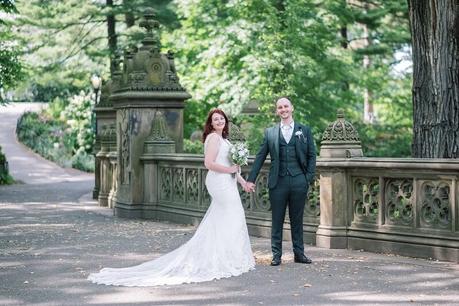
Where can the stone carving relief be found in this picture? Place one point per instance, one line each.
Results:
(123, 128)
(262, 192)
(365, 199)
(192, 186)
(245, 196)
(435, 211)
(205, 196)
(398, 202)
(178, 193)
(165, 183)
(340, 130)
(312, 208)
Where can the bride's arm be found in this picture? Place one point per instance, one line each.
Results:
(210, 155)
(240, 180)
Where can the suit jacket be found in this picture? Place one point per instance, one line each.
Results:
(305, 151)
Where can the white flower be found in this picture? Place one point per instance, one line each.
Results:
(239, 153)
(298, 133)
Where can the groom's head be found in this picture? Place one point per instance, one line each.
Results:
(284, 108)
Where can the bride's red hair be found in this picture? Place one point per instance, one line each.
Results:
(208, 125)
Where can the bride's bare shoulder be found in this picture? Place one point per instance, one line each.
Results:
(213, 137)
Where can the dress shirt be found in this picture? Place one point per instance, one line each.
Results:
(287, 130)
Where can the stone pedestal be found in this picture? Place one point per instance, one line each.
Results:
(105, 116)
(149, 86)
(108, 143)
(340, 141)
(331, 232)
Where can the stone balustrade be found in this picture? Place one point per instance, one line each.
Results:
(175, 190)
(403, 206)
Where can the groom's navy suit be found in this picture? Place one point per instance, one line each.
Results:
(292, 169)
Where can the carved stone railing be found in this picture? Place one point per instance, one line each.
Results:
(403, 206)
(175, 191)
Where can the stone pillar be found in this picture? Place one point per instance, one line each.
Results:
(112, 156)
(105, 115)
(149, 84)
(158, 142)
(108, 142)
(340, 141)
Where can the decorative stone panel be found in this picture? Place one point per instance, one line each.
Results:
(192, 186)
(205, 196)
(178, 183)
(312, 208)
(365, 199)
(262, 193)
(245, 196)
(398, 202)
(165, 183)
(435, 205)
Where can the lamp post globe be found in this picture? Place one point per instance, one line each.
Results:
(96, 81)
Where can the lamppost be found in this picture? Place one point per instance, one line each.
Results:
(96, 81)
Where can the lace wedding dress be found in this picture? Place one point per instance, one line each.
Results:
(219, 248)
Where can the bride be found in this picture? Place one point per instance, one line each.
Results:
(220, 247)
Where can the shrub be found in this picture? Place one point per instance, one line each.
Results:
(83, 161)
(5, 178)
(78, 115)
(55, 139)
(195, 147)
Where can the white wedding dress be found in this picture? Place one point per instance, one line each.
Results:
(219, 248)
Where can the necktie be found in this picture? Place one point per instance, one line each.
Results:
(287, 132)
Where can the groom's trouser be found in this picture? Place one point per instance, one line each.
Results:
(291, 192)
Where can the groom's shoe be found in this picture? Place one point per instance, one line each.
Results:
(302, 259)
(276, 261)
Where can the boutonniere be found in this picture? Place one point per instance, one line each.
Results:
(300, 135)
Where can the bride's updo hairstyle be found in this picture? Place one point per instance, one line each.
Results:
(208, 125)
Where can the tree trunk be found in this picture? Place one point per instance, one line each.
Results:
(435, 78)
(368, 109)
(112, 39)
(129, 18)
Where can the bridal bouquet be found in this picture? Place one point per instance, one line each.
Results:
(239, 154)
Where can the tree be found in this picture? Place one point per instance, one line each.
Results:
(10, 66)
(73, 39)
(237, 52)
(435, 39)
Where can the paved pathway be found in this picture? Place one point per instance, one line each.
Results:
(25, 165)
(52, 235)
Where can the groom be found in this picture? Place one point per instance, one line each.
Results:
(293, 161)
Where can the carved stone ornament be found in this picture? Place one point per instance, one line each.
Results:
(159, 141)
(340, 139)
(340, 131)
(146, 68)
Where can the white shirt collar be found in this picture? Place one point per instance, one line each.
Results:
(292, 124)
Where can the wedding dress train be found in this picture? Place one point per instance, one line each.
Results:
(219, 248)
